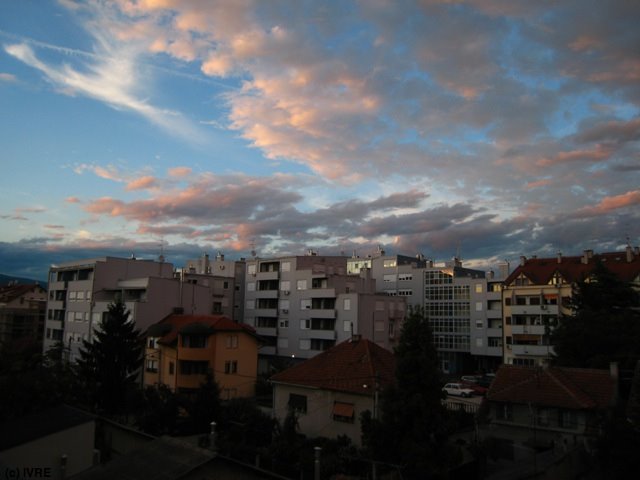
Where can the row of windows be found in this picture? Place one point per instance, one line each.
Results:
(451, 342)
(447, 292)
(447, 309)
(340, 412)
(74, 295)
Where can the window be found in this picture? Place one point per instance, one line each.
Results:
(232, 341)
(405, 293)
(305, 303)
(347, 304)
(504, 411)
(321, 344)
(479, 324)
(285, 285)
(405, 276)
(225, 285)
(80, 296)
(478, 342)
(390, 263)
(194, 341)
(346, 326)
(298, 403)
(88, 295)
(251, 287)
(188, 367)
(72, 296)
(305, 324)
(301, 285)
(152, 366)
(231, 367)
(478, 306)
(285, 266)
(283, 343)
(304, 344)
(284, 323)
(389, 278)
(568, 419)
(151, 342)
(251, 269)
(478, 288)
(79, 316)
(343, 412)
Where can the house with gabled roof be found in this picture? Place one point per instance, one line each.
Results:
(182, 349)
(537, 294)
(553, 406)
(330, 391)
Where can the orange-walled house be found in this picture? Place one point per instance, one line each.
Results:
(181, 349)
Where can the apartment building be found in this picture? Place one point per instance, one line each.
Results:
(303, 305)
(225, 279)
(536, 296)
(182, 349)
(453, 297)
(22, 313)
(80, 293)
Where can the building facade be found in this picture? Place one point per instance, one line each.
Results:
(303, 305)
(80, 293)
(182, 349)
(22, 313)
(455, 299)
(537, 295)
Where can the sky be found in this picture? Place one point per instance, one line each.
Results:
(486, 129)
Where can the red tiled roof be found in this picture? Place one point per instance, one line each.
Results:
(574, 388)
(541, 270)
(350, 366)
(168, 328)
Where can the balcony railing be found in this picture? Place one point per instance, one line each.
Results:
(535, 350)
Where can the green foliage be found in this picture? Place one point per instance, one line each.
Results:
(108, 366)
(31, 381)
(411, 430)
(604, 326)
(159, 411)
(204, 406)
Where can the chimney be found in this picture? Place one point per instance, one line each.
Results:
(523, 260)
(355, 338)
(559, 257)
(586, 255)
(629, 254)
(490, 274)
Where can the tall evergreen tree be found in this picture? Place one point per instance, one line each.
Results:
(411, 430)
(604, 325)
(109, 365)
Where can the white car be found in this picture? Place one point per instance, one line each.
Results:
(457, 390)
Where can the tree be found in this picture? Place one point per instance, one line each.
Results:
(412, 430)
(604, 325)
(110, 364)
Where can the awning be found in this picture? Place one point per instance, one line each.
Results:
(343, 409)
(551, 296)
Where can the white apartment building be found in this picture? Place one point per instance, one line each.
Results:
(80, 293)
(462, 311)
(225, 279)
(302, 305)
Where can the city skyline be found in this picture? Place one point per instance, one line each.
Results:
(489, 129)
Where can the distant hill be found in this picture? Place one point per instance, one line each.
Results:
(4, 279)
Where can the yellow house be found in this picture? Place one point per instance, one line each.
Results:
(182, 349)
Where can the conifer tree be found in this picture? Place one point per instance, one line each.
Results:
(109, 365)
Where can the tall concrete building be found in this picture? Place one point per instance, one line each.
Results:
(302, 305)
(225, 279)
(455, 299)
(22, 313)
(80, 293)
(537, 294)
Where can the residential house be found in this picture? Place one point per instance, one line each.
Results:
(182, 349)
(550, 407)
(22, 313)
(537, 294)
(330, 391)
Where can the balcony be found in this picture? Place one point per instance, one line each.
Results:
(267, 275)
(494, 332)
(534, 310)
(528, 329)
(267, 332)
(323, 334)
(266, 293)
(322, 313)
(266, 312)
(534, 350)
(323, 292)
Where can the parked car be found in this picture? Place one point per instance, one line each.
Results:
(457, 390)
(476, 387)
(469, 378)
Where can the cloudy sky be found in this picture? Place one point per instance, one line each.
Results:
(488, 128)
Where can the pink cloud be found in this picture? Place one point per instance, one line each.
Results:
(615, 202)
(72, 200)
(537, 184)
(601, 152)
(142, 183)
(179, 171)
